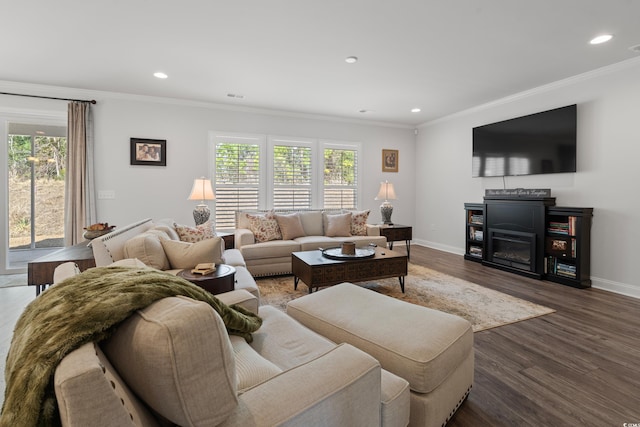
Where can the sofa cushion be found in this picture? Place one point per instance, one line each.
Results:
(185, 373)
(311, 243)
(147, 247)
(195, 234)
(171, 232)
(251, 368)
(290, 226)
(338, 225)
(312, 223)
(273, 249)
(285, 342)
(188, 255)
(264, 227)
(359, 222)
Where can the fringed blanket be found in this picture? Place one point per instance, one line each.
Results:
(82, 309)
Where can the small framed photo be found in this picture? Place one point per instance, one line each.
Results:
(149, 152)
(389, 160)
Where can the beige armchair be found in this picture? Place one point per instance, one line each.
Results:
(174, 363)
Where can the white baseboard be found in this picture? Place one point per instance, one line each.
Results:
(597, 283)
(616, 287)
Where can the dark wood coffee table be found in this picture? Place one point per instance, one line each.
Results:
(316, 270)
(221, 280)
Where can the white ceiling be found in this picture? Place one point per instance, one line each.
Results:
(441, 56)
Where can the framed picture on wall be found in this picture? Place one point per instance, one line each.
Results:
(390, 160)
(148, 152)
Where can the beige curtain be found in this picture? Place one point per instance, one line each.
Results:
(80, 205)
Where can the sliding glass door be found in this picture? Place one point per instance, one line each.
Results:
(36, 158)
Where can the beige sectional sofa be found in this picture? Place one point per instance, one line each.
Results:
(157, 244)
(173, 363)
(316, 229)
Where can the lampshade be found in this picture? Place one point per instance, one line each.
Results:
(386, 191)
(202, 190)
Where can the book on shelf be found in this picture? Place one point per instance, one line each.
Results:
(477, 219)
(204, 268)
(475, 251)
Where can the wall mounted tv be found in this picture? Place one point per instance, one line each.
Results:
(535, 144)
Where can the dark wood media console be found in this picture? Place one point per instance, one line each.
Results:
(531, 237)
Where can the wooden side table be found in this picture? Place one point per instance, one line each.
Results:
(397, 232)
(228, 237)
(221, 280)
(40, 270)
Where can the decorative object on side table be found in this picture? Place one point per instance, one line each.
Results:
(202, 190)
(386, 193)
(97, 230)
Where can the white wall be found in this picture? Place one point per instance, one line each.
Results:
(161, 192)
(608, 169)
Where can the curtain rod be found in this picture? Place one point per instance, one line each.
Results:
(93, 101)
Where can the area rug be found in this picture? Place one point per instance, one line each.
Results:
(483, 307)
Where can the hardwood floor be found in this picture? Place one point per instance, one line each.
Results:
(577, 366)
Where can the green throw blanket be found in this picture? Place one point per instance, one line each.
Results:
(82, 309)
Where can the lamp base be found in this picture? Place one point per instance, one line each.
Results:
(386, 209)
(201, 214)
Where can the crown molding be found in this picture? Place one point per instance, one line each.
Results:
(569, 81)
(67, 92)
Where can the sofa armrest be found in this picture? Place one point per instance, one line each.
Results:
(243, 237)
(110, 247)
(324, 391)
(373, 230)
(241, 297)
(233, 257)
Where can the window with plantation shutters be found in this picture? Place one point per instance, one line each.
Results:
(258, 172)
(292, 174)
(237, 177)
(340, 178)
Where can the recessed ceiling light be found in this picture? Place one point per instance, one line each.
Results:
(601, 39)
(351, 59)
(235, 95)
(363, 111)
(160, 75)
(635, 48)
(415, 110)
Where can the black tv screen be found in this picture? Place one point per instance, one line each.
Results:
(535, 144)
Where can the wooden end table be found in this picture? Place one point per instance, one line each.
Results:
(315, 270)
(40, 270)
(397, 232)
(220, 281)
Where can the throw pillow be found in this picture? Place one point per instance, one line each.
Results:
(264, 227)
(338, 225)
(193, 235)
(290, 226)
(147, 248)
(187, 255)
(359, 223)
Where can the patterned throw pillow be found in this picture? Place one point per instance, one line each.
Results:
(359, 223)
(264, 227)
(193, 235)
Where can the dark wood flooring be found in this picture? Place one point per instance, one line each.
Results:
(579, 366)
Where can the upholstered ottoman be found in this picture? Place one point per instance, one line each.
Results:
(430, 349)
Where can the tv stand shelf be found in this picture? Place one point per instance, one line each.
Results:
(561, 240)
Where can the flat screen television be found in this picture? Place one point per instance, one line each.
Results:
(535, 144)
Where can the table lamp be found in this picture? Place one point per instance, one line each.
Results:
(202, 191)
(386, 193)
